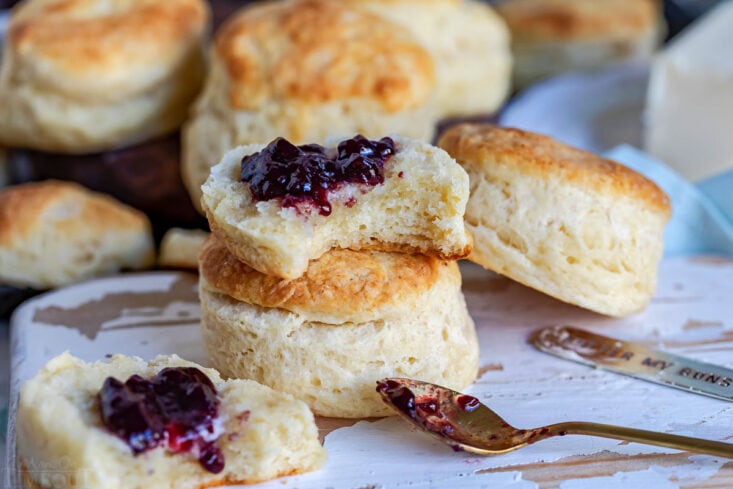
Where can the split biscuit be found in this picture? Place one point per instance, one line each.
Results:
(419, 209)
(264, 434)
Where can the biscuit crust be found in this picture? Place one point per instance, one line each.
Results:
(23, 206)
(486, 145)
(315, 51)
(341, 286)
(81, 76)
(82, 48)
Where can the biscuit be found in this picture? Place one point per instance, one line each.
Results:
(550, 37)
(571, 224)
(265, 434)
(85, 76)
(418, 208)
(327, 338)
(469, 43)
(54, 233)
(305, 70)
(179, 248)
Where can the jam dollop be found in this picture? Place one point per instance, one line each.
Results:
(303, 176)
(177, 409)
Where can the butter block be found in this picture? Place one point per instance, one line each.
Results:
(689, 113)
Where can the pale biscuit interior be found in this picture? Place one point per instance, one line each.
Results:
(419, 208)
(266, 434)
(334, 367)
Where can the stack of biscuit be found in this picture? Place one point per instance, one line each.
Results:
(322, 306)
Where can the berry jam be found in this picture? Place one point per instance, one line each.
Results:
(467, 403)
(176, 409)
(304, 175)
(400, 396)
(425, 409)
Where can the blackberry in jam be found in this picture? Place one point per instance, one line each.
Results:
(176, 409)
(304, 175)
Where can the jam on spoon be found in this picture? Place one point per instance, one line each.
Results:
(303, 176)
(464, 423)
(177, 409)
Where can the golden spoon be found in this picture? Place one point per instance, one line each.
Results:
(464, 423)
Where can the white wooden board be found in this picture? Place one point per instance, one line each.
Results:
(691, 314)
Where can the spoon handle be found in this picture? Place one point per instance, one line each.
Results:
(685, 443)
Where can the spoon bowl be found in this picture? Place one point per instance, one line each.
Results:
(464, 423)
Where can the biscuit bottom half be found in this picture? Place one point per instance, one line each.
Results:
(334, 367)
(63, 443)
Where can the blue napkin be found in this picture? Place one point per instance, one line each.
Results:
(702, 214)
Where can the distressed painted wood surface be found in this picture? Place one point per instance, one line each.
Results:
(691, 314)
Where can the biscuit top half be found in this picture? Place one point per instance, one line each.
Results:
(318, 51)
(579, 19)
(487, 148)
(65, 206)
(102, 48)
(341, 286)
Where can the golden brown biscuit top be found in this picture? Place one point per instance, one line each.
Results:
(579, 19)
(66, 207)
(351, 285)
(316, 51)
(485, 145)
(87, 46)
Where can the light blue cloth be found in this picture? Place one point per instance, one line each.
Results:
(702, 214)
(720, 190)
